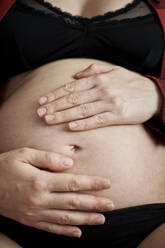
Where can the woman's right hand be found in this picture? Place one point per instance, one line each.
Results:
(34, 193)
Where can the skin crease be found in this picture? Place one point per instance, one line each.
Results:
(88, 11)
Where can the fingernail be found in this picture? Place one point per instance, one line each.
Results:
(108, 206)
(99, 220)
(73, 125)
(43, 100)
(41, 111)
(76, 233)
(67, 161)
(49, 117)
(106, 183)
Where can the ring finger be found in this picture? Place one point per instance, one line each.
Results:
(76, 85)
(63, 217)
(70, 100)
(75, 201)
(70, 231)
(79, 112)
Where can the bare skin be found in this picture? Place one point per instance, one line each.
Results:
(126, 157)
(89, 8)
(6, 242)
(155, 239)
(86, 9)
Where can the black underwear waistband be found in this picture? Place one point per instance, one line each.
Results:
(124, 228)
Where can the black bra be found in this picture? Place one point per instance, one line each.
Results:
(35, 32)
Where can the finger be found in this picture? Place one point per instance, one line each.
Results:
(94, 68)
(101, 120)
(70, 100)
(76, 85)
(75, 113)
(75, 201)
(72, 183)
(44, 159)
(65, 230)
(63, 217)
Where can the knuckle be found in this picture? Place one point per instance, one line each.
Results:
(33, 202)
(97, 183)
(38, 185)
(98, 205)
(73, 98)
(50, 228)
(100, 120)
(120, 106)
(89, 219)
(74, 184)
(49, 159)
(70, 87)
(83, 110)
(63, 220)
(74, 203)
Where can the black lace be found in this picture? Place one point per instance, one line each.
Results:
(108, 14)
(116, 16)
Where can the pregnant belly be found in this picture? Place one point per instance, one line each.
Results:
(129, 155)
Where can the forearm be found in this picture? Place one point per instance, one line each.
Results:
(155, 239)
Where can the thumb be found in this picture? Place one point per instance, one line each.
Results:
(92, 69)
(44, 159)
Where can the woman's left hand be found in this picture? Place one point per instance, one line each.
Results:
(102, 96)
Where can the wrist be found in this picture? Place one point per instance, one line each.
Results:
(159, 99)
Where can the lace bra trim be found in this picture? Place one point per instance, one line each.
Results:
(79, 18)
(67, 18)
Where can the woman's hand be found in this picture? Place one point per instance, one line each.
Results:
(33, 194)
(102, 96)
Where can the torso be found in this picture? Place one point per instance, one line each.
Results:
(129, 155)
